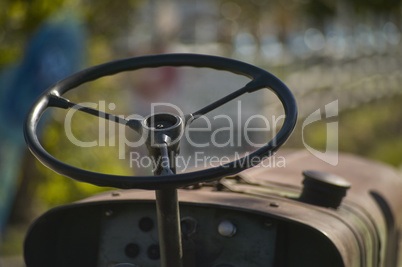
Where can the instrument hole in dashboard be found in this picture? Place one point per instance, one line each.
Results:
(146, 224)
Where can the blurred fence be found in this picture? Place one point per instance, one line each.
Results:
(344, 54)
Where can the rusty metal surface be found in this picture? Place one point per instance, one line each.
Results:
(366, 176)
(358, 227)
(364, 229)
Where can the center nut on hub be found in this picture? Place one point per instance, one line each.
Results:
(163, 130)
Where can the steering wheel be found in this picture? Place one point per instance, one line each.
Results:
(165, 128)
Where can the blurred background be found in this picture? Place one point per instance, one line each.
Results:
(325, 51)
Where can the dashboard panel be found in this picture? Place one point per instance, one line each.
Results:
(211, 237)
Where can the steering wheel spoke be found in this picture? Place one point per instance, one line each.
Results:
(64, 103)
(252, 86)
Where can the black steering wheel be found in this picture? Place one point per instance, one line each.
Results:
(172, 126)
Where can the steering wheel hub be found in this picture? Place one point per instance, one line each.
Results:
(162, 121)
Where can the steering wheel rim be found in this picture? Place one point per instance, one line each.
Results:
(260, 79)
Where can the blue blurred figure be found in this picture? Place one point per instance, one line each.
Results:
(55, 51)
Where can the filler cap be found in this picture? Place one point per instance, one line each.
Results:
(323, 189)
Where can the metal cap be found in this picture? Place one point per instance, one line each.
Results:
(323, 189)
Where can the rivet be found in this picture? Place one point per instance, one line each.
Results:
(226, 229)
